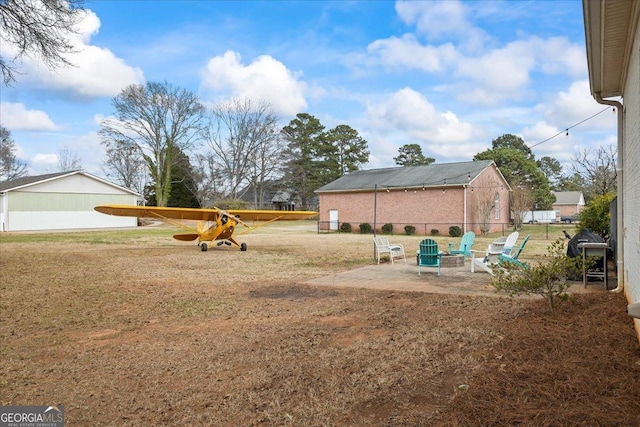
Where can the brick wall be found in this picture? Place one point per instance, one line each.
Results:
(631, 178)
(566, 210)
(425, 209)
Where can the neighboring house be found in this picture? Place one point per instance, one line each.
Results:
(568, 203)
(62, 200)
(612, 31)
(284, 201)
(273, 197)
(472, 195)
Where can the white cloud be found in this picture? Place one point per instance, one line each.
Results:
(434, 19)
(408, 52)
(443, 19)
(488, 71)
(502, 71)
(95, 71)
(265, 79)
(16, 117)
(538, 132)
(576, 104)
(408, 117)
(44, 162)
(557, 55)
(573, 110)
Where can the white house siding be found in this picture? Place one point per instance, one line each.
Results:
(53, 211)
(64, 203)
(631, 177)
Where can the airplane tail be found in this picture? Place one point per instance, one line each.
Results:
(186, 237)
(189, 237)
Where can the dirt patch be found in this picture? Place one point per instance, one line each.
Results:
(291, 292)
(159, 333)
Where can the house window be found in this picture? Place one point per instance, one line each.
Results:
(496, 205)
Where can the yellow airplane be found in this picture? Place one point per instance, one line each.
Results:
(213, 224)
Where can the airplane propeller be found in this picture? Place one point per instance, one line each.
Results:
(235, 218)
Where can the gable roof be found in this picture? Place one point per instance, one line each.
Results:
(27, 181)
(568, 197)
(433, 175)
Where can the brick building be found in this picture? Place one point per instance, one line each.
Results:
(472, 195)
(568, 203)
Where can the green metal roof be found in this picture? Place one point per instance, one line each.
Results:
(433, 175)
(28, 180)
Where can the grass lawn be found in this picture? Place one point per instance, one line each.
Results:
(134, 328)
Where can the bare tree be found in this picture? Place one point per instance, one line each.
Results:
(10, 167)
(161, 120)
(209, 180)
(484, 206)
(521, 201)
(266, 165)
(39, 29)
(68, 160)
(597, 169)
(245, 142)
(124, 164)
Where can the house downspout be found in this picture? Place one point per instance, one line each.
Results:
(464, 208)
(619, 185)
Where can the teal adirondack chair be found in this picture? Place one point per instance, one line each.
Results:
(429, 255)
(465, 244)
(515, 253)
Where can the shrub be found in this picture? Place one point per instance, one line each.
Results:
(365, 228)
(548, 278)
(228, 204)
(596, 215)
(345, 227)
(387, 228)
(455, 231)
(410, 230)
(435, 231)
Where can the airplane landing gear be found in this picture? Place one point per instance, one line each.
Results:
(203, 247)
(243, 247)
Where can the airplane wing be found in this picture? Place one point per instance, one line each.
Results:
(159, 212)
(198, 214)
(268, 215)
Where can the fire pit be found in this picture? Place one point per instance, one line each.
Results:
(448, 260)
(452, 260)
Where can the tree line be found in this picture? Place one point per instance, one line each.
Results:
(154, 140)
(161, 141)
(164, 132)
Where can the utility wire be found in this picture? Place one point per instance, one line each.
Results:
(570, 127)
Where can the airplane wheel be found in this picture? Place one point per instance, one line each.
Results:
(243, 247)
(203, 247)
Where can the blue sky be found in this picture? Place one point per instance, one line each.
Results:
(450, 76)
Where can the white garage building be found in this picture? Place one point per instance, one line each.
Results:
(62, 200)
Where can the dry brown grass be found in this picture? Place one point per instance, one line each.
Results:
(135, 329)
